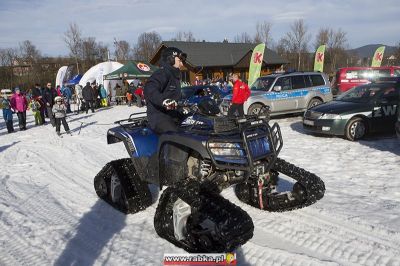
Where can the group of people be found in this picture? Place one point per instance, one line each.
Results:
(217, 81)
(55, 103)
(43, 102)
(130, 93)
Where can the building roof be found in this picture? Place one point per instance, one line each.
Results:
(209, 54)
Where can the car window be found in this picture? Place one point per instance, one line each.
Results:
(382, 73)
(307, 79)
(298, 82)
(263, 84)
(317, 80)
(391, 95)
(284, 82)
(365, 93)
(397, 72)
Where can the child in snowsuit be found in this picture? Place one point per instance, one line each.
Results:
(35, 106)
(8, 115)
(59, 111)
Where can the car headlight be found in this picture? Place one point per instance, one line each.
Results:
(226, 149)
(330, 116)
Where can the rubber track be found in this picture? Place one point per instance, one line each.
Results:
(308, 189)
(233, 224)
(136, 191)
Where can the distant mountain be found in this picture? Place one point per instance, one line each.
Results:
(369, 50)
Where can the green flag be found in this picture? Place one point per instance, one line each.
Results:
(256, 63)
(319, 58)
(378, 56)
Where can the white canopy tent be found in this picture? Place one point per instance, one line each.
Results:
(60, 75)
(97, 72)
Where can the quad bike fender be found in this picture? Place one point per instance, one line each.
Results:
(139, 142)
(187, 140)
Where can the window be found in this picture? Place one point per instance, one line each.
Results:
(391, 95)
(317, 80)
(382, 73)
(352, 74)
(263, 84)
(284, 82)
(298, 82)
(307, 79)
(397, 72)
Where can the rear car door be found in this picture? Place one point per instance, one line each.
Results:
(385, 110)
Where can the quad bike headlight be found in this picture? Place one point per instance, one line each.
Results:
(226, 149)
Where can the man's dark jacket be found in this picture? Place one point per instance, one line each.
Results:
(36, 92)
(87, 93)
(49, 95)
(163, 84)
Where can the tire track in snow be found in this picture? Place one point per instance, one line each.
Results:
(321, 236)
(34, 224)
(327, 242)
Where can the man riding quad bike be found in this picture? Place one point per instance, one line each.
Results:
(196, 159)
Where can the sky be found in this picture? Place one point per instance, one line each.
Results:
(44, 22)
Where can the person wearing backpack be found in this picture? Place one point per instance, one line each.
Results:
(240, 94)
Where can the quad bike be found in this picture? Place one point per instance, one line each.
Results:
(208, 154)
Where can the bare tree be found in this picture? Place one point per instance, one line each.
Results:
(89, 52)
(263, 33)
(29, 56)
(322, 37)
(296, 40)
(8, 58)
(147, 45)
(28, 52)
(102, 51)
(122, 50)
(337, 44)
(185, 36)
(243, 37)
(73, 39)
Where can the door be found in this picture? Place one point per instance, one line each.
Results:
(385, 110)
(280, 100)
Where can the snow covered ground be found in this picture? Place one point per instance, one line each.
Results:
(50, 214)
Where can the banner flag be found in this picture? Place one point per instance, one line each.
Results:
(378, 56)
(319, 58)
(256, 63)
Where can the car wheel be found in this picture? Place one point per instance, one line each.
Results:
(254, 109)
(314, 102)
(356, 129)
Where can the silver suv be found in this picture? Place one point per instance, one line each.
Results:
(285, 93)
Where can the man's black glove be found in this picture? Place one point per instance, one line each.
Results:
(169, 104)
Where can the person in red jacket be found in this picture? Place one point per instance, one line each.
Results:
(240, 94)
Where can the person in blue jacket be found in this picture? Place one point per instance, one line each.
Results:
(67, 94)
(8, 115)
(103, 96)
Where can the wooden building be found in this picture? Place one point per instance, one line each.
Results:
(219, 59)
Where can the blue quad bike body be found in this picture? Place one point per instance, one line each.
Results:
(208, 154)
